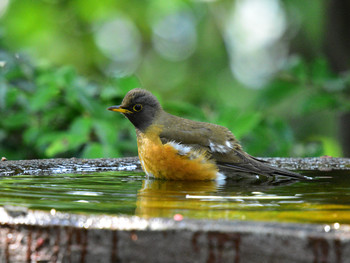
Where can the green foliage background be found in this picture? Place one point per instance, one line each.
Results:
(54, 91)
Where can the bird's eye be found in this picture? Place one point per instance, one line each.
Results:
(137, 107)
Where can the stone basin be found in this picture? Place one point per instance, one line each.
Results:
(37, 236)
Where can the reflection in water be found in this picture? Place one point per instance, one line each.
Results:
(204, 199)
(319, 201)
(160, 198)
(326, 199)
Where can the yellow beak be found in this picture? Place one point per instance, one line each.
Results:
(118, 109)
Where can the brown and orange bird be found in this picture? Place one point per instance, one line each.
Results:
(175, 148)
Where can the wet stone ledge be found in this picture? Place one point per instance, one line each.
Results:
(73, 165)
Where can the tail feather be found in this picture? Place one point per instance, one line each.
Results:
(256, 166)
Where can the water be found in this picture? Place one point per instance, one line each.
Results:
(326, 199)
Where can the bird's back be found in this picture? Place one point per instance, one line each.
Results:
(214, 137)
(219, 142)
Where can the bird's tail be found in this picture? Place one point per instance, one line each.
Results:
(256, 166)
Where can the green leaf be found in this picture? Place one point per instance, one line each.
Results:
(184, 109)
(119, 87)
(59, 145)
(276, 92)
(75, 137)
(43, 96)
(93, 150)
(335, 85)
(111, 151)
(320, 71)
(240, 123)
(3, 93)
(81, 126)
(17, 120)
(331, 147)
(45, 138)
(317, 102)
(79, 132)
(109, 92)
(30, 135)
(106, 132)
(128, 83)
(245, 123)
(273, 137)
(13, 96)
(300, 70)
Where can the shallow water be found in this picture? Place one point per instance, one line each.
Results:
(325, 199)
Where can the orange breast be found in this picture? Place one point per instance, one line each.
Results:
(163, 161)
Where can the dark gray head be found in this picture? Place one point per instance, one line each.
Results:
(140, 107)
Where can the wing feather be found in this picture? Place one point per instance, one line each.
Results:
(220, 143)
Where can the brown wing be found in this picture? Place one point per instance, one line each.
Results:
(220, 143)
(215, 138)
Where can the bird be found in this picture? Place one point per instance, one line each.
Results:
(175, 148)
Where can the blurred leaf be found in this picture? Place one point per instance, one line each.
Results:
(76, 136)
(93, 150)
(79, 131)
(299, 70)
(91, 10)
(30, 135)
(273, 137)
(112, 151)
(81, 126)
(15, 121)
(56, 116)
(60, 144)
(276, 92)
(47, 137)
(331, 147)
(128, 83)
(106, 132)
(3, 93)
(184, 109)
(11, 97)
(240, 124)
(318, 102)
(320, 71)
(335, 85)
(119, 87)
(110, 92)
(245, 123)
(43, 96)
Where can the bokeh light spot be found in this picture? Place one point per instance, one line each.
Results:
(120, 41)
(3, 7)
(175, 36)
(253, 37)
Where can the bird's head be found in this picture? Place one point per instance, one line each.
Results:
(140, 107)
